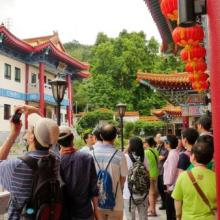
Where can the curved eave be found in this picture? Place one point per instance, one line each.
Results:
(10, 39)
(83, 74)
(163, 25)
(61, 56)
(176, 81)
(160, 113)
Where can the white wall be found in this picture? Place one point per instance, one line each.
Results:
(4, 125)
(11, 84)
(131, 118)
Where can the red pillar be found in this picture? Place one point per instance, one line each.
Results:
(185, 121)
(70, 101)
(213, 9)
(26, 91)
(41, 87)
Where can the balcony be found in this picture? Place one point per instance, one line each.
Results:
(33, 94)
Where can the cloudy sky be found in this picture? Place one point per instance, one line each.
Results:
(79, 20)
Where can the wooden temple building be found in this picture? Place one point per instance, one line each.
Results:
(27, 68)
(184, 106)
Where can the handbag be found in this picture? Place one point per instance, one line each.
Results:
(201, 193)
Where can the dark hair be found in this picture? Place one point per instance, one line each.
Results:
(173, 141)
(97, 133)
(67, 141)
(191, 135)
(150, 140)
(38, 146)
(205, 121)
(108, 132)
(85, 136)
(136, 147)
(203, 152)
(207, 139)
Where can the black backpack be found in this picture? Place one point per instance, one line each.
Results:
(45, 202)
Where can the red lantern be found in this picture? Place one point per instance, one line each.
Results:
(197, 86)
(194, 66)
(169, 9)
(203, 77)
(205, 85)
(198, 76)
(188, 36)
(193, 53)
(200, 85)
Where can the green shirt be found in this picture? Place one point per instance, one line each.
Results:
(152, 161)
(208, 166)
(193, 207)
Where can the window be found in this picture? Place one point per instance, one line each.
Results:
(33, 78)
(7, 71)
(7, 112)
(45, 79)
(17, 74)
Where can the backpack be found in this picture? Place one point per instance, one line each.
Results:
(106, 198)
(45, 202)
(138, 181)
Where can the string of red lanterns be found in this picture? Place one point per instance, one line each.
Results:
(193, 53)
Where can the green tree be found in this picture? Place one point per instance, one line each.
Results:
(78, 51)
(114, 64)
(91, 119)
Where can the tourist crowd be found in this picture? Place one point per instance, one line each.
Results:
(103, 183)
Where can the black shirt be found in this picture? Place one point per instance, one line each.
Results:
(79, 174)
(184, 161)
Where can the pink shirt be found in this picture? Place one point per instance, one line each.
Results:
(170, 169)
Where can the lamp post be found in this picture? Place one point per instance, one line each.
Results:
(58, 86)
(121, 108)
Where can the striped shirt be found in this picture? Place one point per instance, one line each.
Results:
(117, 168)
(16, 177)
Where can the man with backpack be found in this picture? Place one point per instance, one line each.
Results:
(32, 179)
(112, 170)
(77, 170)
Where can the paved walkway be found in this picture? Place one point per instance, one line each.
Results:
(161, 215)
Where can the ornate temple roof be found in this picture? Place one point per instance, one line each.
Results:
(167, 110)
(174, 81)
(163, 24)
(39, 45)
(46, 39)
(150, 118)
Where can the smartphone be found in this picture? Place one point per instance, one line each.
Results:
(16, 117)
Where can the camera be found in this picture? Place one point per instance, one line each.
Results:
(16, 117)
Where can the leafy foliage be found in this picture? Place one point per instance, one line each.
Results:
(77, 50)
(114, 65)
(91, 119)
(149, 128)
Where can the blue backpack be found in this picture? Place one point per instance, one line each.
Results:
(106, 199)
